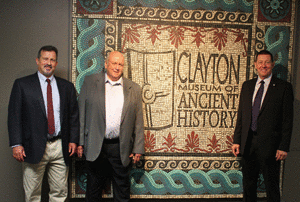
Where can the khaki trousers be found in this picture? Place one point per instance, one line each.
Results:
(57, 175)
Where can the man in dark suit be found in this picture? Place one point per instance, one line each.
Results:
(263, 128)
(111, 128)
(43, 126)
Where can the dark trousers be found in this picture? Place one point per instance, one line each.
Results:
(108, 166)
(252, 163)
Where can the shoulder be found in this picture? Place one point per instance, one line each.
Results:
(94, 77)
(251, 81)
(61, 81)
(281, 83)
(65, 85)
(131, 84)
(26, 81)
(248, 83)
(27, 78)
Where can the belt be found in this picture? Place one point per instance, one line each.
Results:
(111, 141)
(53, 139)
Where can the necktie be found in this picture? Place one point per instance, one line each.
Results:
(50, 115)
(256, 106)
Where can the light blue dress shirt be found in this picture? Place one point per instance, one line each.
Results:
(55, 99)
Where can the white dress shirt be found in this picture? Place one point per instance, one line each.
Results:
(266, 86)
(114, 100)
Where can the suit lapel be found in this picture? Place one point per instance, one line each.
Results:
(61, 98)
(269, 93)
(36, 86)
(126, 90)
(250, 95)
(100, 86)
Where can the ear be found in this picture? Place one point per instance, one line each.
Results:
(37, 61)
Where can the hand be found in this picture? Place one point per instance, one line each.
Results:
(79, 151)
(281, 155)
(135, 157)
(19, 153)
(72, 148)
(235, 149)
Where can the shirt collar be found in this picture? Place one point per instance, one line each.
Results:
(266, 80)
(107, 80)
(43, 78)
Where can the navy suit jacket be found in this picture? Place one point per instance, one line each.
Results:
(275, 120)
(27, 118)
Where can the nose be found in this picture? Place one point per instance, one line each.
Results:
(118, 66)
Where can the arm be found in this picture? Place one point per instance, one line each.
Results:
(138, 147)
(73, 122)
(81, 104)
(238, 128)
(15, 122)
(287, 123)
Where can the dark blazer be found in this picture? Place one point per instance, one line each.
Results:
(92, 118)
(27, 119)
(275, 120)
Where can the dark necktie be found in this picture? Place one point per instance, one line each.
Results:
(50, 116)
(256, 106)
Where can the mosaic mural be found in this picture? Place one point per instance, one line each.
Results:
(191, 58)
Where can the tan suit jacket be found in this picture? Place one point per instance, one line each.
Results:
(92, 118)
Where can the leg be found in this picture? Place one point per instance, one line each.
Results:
(121, 183)
(57, 173)
(32, 179)
(271, 169)
(97, 175)
(250, 170)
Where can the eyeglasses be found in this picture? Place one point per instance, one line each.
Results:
(115, 63)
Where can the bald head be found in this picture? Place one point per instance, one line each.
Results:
(114, 65)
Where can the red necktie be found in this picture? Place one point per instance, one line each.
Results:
(51, 127)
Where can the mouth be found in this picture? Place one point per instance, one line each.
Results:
(48, 67)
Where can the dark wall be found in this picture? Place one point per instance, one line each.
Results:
(26, 26)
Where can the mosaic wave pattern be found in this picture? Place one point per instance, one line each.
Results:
(277, 42)
(89, 53)
(187, 180)
(177, 182)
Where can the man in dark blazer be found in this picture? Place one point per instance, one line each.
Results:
(37, 142)
(111, 128)
(263, 137)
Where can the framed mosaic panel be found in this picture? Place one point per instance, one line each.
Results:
(191, 58)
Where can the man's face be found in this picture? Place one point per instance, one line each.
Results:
(47, 63)
(114, 66)
(264, 66)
